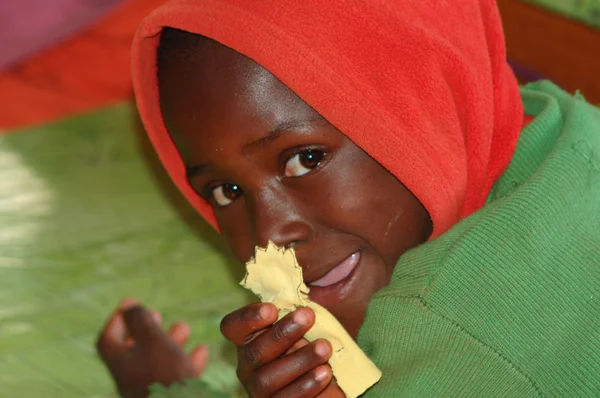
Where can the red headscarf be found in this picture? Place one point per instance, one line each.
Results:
(421, 85)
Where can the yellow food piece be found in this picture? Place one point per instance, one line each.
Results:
(275, 277)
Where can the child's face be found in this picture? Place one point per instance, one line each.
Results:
(274, 169)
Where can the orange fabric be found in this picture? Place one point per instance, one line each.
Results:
(88, 71)
(422, 86)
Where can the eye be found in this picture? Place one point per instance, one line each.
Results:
(225, 194)
(303, 162)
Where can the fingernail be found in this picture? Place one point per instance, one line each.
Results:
(265, 312)
(128, 302)
(157, 317)
(301, 317)
(322, 374)
(322, 349)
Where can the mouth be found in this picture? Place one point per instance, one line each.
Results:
(339, 272)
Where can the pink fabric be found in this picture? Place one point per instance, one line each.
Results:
(28, 26)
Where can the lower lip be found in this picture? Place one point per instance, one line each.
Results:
(336, 292)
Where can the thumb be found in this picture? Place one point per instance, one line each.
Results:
(142, 326)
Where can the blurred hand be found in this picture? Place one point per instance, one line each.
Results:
(138, 353)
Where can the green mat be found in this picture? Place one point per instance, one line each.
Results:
(87, 217)
(586, 11)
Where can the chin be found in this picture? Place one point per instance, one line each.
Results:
(347, 300)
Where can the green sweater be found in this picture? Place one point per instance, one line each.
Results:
(506, 303)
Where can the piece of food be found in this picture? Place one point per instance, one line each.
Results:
(275, 277)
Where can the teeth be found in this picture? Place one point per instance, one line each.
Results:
(340, 272)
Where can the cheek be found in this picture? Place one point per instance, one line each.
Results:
(405, 224)
(234, 224)
(360, 193)
(352, 182)
(371, 203)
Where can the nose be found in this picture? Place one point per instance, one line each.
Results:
(281, 219)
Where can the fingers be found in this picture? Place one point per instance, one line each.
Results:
(332, 390)
(142, 326)
(297, 345)
(129, 340)
(114, 334)
(274, 342)
(311, 384)
(180, 333)
(199, 359)
(127, 303)
(300, 369)
(157, 317)
(240, 326)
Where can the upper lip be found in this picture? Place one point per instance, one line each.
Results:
(315, 272)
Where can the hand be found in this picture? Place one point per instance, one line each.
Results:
(138, 353)
(273, 358)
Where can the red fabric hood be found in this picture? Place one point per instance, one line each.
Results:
(422, 86)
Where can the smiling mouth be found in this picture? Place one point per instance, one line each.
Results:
(339, 273)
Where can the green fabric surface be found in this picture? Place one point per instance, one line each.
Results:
(87, 217)
(586, 11)
(506, 303)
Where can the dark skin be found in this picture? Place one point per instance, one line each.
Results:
(138, 353)
(274, 169)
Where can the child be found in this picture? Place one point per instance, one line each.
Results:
(453, 231)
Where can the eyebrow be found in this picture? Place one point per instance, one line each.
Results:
(193, 171)
(278, 131)
(272, 135)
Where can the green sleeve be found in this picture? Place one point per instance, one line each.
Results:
(423, 354)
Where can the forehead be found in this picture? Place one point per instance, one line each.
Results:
(208, 86)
